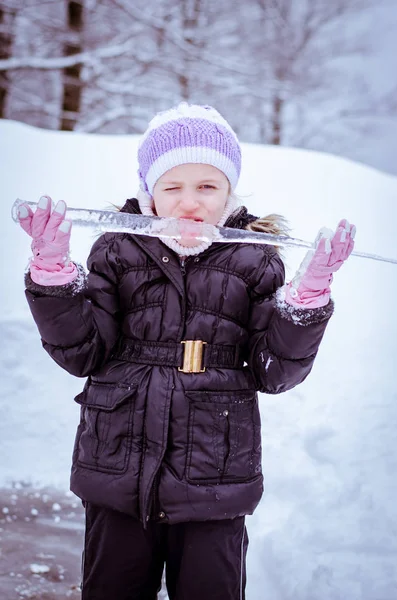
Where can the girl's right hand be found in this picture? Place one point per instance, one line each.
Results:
(50, 264)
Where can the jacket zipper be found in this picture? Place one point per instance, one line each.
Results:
(184, 263)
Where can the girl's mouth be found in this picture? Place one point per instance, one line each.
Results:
(196, 219)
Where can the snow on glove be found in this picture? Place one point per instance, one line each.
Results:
(50, 264)
(310, 286)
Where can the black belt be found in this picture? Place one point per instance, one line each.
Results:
(190, 356)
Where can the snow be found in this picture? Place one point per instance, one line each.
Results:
(326, 528)
(39, 569)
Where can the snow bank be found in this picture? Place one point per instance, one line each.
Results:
(326, 527)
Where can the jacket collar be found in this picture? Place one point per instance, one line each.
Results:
(167, 260)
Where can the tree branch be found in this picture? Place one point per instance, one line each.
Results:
(51, 64)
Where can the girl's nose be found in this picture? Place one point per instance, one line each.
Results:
(188, 201)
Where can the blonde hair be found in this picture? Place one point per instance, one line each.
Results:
(274, 223)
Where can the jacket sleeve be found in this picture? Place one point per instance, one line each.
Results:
(283, 340)
(79, 322)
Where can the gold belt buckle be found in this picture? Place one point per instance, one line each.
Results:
(192, 357)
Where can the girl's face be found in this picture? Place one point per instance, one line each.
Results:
(192, 191)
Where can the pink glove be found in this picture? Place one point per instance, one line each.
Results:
(310, 286)
(50, 264)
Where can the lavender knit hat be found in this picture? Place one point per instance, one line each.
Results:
(187, 134)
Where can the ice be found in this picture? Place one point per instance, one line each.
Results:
(168, 228)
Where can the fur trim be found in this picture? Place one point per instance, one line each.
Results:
(239, 219)
(302, 316)
(68, 290)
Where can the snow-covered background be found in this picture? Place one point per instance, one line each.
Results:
(326, 528)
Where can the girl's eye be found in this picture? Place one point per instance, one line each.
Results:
(208, 186)
(171, 189)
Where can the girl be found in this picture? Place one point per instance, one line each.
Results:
(175, 339)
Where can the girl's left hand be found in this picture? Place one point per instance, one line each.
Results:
(310, 286)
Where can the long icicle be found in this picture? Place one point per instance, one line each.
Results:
(160, 227)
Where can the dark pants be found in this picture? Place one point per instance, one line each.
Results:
(123, 561)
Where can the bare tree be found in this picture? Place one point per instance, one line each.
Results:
(7, 19)
(33, 96)
(72, 84)
(63, 51)
(281, 71)
(138, 58)
(307, 47)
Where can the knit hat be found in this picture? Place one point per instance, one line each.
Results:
(182, 135)
(187, 134)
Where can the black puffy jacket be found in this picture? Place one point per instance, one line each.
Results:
(154, 441)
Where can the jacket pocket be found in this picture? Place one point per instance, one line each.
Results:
(224, 437)
(104, 435)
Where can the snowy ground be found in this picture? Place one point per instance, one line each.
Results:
(326, 528)
(41, 538)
